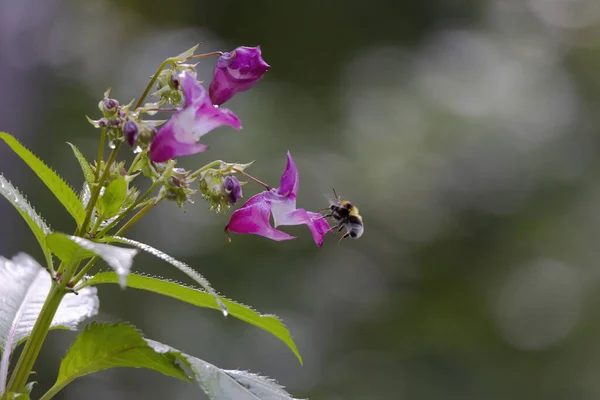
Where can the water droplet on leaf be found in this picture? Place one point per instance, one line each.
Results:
(223, 307)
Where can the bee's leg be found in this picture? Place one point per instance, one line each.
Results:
(324, 216)
(344, 237)
(333, 228)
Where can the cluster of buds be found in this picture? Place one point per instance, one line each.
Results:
(167, 82)
(177, 186)
(219, 185)
(120, 123)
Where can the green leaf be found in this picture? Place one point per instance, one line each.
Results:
(118, 258)
(66, 249)
(88, 173)
(24, 286)
(109, 204)
(102, 346)
(185, 55)
(183, 267)
(35, 222)
(57, 186)
(269, 323)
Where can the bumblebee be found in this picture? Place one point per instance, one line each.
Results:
(346, 216)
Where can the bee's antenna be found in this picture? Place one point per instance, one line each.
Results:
(335, 194)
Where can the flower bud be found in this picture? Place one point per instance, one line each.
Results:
(168, 88)
(236, 72)
(232, 189)
(174, 82)
(131, 131)
(98, 123)
(177, 187)
(110, 104)
(109, 107)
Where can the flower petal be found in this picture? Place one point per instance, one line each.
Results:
(235, 72)
(254, 218)
(171, 141)
(281, 207)
(315, 222)
(179, 135)
(205, 116)
(193, 91)
(208, 117)
(231, 189)
(290, 180)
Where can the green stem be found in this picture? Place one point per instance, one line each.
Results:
(36, 339)
(135, 161)
(159, 70)
(100, 154)
(55, 389)
(154, 78)
(96, 226)
(61, 268)
(197, 173)
(261, 183)
(49, 262)
(84, 271)
(214, 53)
(136, 217)
(128, 225)
(96, 191)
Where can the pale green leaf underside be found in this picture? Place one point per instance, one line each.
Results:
(24, 286)
(221, 384)
(118, 258)
(35, 222)
(269, 323)
(88, 173)
(56, 184)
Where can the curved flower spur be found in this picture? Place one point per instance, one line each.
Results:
(254, 216)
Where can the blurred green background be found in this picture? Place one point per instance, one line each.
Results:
(466, 131)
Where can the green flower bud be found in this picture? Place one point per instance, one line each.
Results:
(221, 191)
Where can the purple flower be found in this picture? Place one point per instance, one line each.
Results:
(236, 72)
(232, 189)
(198, 116)
(254, 216)
(130, 129)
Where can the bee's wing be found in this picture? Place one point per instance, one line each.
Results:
(331, 200)
(335, 199)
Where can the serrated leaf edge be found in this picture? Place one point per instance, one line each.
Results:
(69, 208)
(293, 348)
(26, 205)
